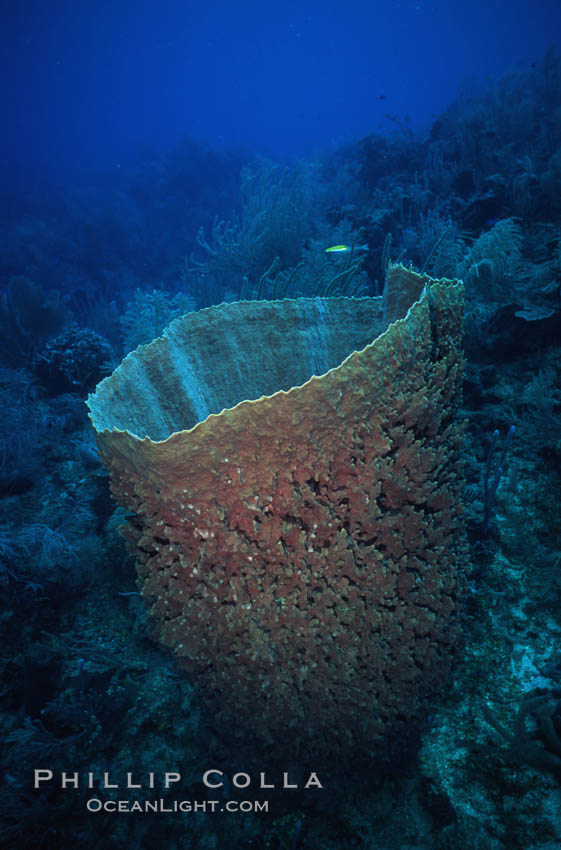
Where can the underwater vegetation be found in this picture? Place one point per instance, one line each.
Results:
(86, 278)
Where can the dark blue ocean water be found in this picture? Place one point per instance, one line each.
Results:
(88, 85)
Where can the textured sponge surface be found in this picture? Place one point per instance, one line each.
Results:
(302, 551)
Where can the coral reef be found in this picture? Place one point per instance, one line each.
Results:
(82, 687)
(74, 361)
(149, 313)
(28, 316)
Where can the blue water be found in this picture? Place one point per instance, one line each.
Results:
(88, 85)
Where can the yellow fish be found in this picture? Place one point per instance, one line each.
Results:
(344, 249)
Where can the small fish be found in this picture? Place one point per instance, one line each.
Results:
(344, 249)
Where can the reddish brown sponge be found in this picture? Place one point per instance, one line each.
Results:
(299, 539)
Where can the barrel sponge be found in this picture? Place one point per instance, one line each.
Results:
(293, 473)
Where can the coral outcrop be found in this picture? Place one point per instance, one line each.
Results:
(73, 361)
(292, 470)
